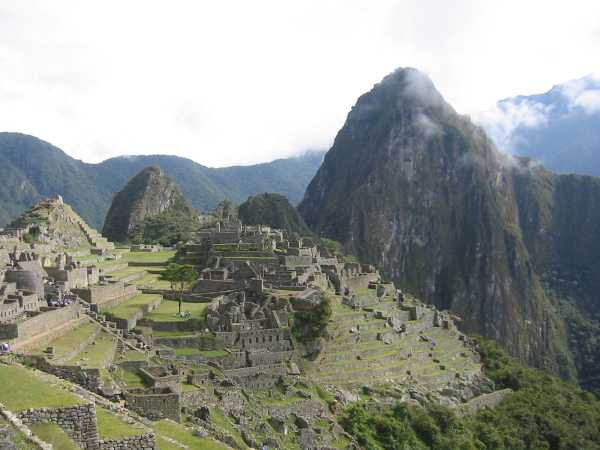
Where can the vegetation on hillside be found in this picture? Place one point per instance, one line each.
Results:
(274, 210)
(33, 168)
(166, 229)
(311, 323)
(544, 412)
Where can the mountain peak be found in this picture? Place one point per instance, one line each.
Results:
(149, 193)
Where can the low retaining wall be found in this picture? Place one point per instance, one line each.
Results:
(131, 322)
(141, 442)
(201, 342)
(88, 378)
(40, 323)
(79, 422)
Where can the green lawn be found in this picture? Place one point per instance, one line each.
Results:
(23, 389)
(132, 306)
(119, 274)
(67, 342)
(157, 257)
(96, 355)
(111, 426)
(184, 436)
(192, 351)
(168, 309)
(151, 280)
(131, 379)
(177, 333)
(53, 434)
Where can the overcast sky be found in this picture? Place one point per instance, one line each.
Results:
(237, 82)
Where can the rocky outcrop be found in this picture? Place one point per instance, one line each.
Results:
(417, 189)
(150, 193)
(274, 210)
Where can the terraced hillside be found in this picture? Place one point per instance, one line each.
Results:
(365, 350)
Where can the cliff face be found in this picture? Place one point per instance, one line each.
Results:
(418, 190)
(148, 194)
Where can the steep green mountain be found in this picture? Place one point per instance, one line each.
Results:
(420, 191)
(559, 128)
(32, 168)
(274, 210)
(149, 209)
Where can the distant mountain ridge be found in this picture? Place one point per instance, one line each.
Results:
(32, 168)
(559, 128)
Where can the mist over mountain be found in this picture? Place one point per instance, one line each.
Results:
(33, 168)
(423, 193)
(560, 128)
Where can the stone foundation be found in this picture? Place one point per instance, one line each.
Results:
(79, 422)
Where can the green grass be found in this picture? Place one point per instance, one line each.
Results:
(53, 434)
(151, 280)
(130, 378)
(192, 351)
(111, 426)
(163, 444)
(19, 439)
(96, 355)
(23, 389)
(131, 307)
(176, 333)
(225, 424)
(119, 274)
(184, 436)
(67, 342)
(157, 257)
(188, 387)
(168, 309)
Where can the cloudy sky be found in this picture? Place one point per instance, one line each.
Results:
(237, 82)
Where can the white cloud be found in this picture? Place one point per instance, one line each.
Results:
(583, 93)
(504, 118)
(242, 82)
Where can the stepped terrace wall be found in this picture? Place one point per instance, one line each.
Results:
(106, 296)
(46, 320)
(79, 422)
(129, 322)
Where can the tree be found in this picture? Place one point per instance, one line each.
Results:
(181, 276)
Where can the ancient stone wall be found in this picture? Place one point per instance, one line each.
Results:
(361, 281)
(141, 442)
(268, 358)
(131, 322)
(48, 320)
(106, 296)
(155, 403)
(79, 422)
(88, 378)
(74, 278)
(217, 285)
(201, 342)
(276, 339)
(232, 361)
